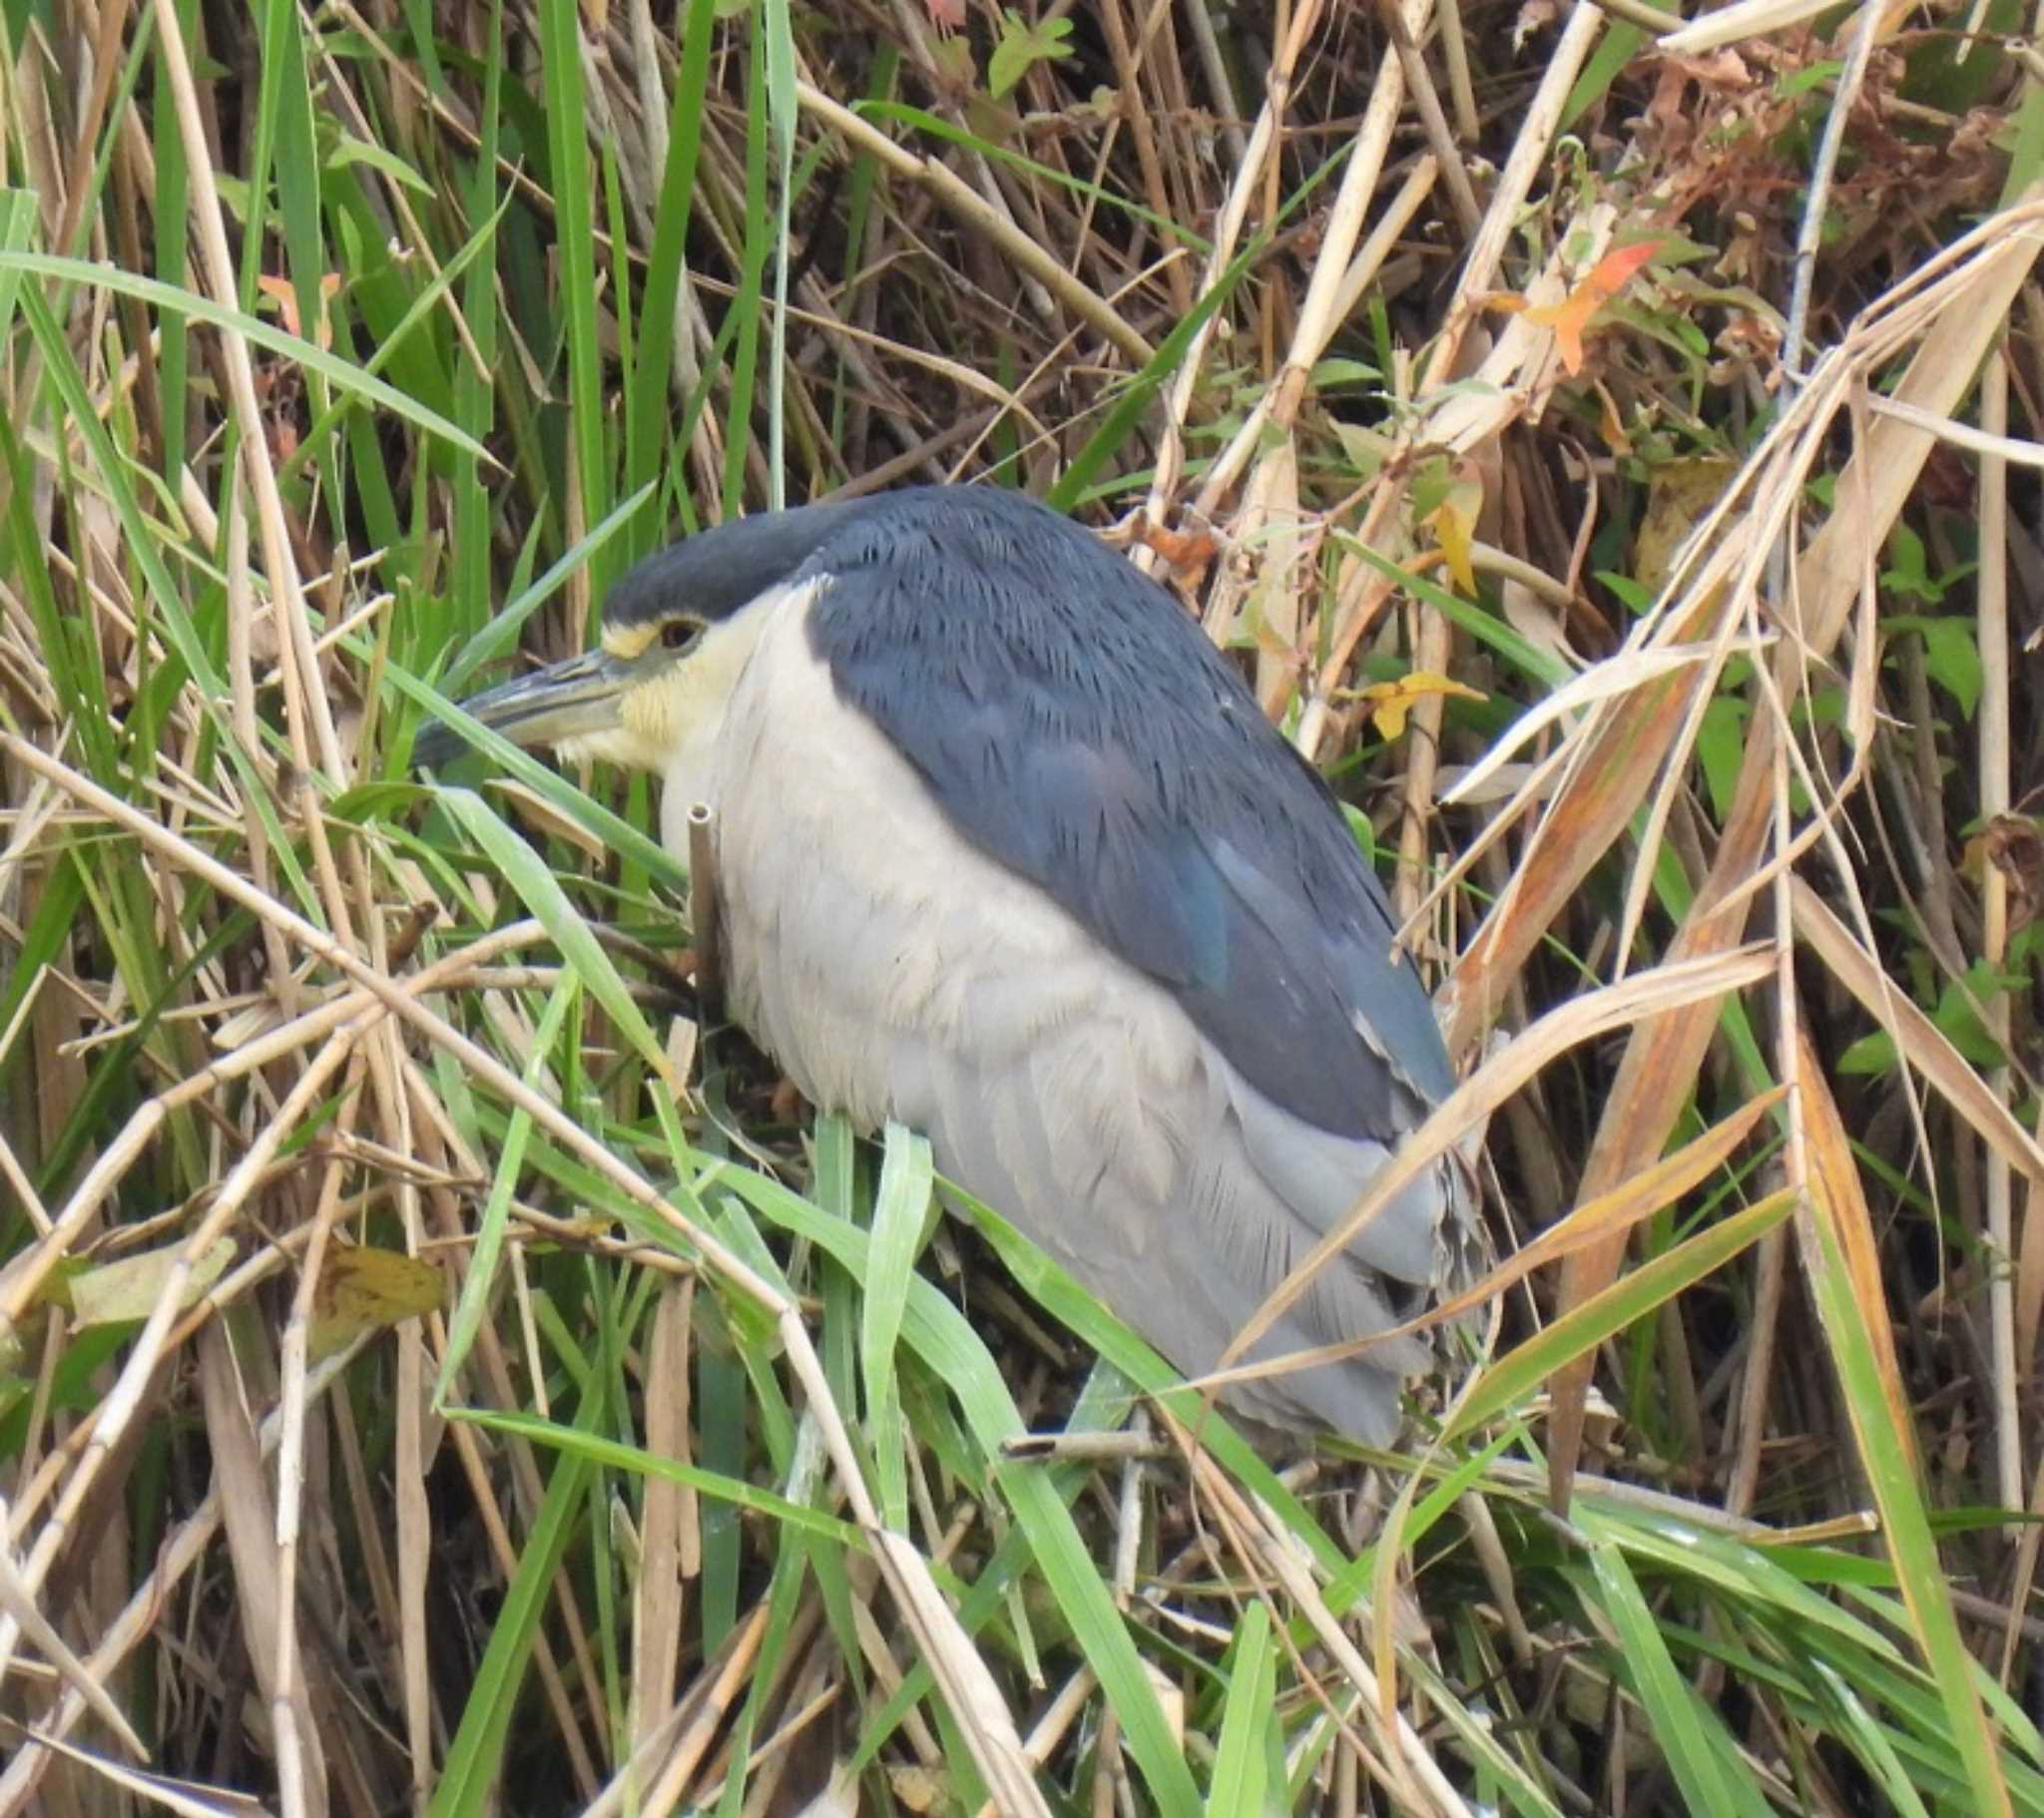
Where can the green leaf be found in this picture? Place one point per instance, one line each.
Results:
(954, 1352)
(1869, 1056)
(1022, 47)
(1959, 1012)
(579, 1442)
(1105, 195)
(1870, 1742)
(1483, 626)
(1330, 372)
(1909, 570)
(1802, 81)
(1888, 1456)
(1721, 749)
(1132, 401)
(475, 1756)
(496, 1214)
(348, 150)
(574, 238)
(1614, 51)
(1954, 659)
(542, 779)
(1240, 1762)
(2025, 144)
(1950, 652)
(1365, 449)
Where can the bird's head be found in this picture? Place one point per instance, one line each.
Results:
(676, 631)
(628, 701)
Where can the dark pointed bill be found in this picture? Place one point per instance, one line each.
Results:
(569, 699)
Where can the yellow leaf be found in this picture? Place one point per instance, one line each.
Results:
(366, 1291)
(1390, 702)
(1680, 495)
(1454, 528)
(1609, 424)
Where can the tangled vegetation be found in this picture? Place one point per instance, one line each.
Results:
(437, 1374)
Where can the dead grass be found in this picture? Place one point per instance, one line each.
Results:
(434, 1374)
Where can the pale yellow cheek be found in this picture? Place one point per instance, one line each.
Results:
(643, 738)
(618, 745)
(649, 716)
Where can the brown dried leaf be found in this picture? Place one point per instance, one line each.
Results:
(2013, 845)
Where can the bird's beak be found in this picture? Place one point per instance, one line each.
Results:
(575, 699)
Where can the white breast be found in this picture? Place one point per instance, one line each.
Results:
(897, 972)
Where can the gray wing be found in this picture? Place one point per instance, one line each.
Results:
(1075, 725)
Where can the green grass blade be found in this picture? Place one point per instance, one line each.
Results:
(489, 1232)
(1667, 1700)
(1890, 1467)
(548, 784)
(579, 1442)
(344, 375)
(901, 1209)
(574, 190)
(959, 1358)
(499, 637)
(1132, 403)
(469, 1778)
(540, 892)
(1631, 1297)
(1238, 1787)
(780, 119)
(1877, 1754)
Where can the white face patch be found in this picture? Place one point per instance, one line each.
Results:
(682, 715)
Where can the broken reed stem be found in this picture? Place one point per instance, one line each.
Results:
(706, 922)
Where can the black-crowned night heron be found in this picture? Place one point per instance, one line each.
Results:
(1005, 851)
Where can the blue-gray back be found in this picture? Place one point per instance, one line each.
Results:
(1075, 724)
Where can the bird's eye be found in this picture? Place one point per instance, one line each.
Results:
(678, 635)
